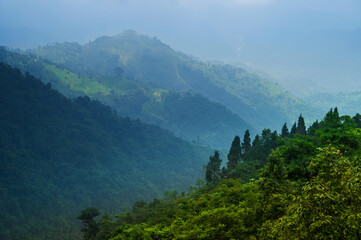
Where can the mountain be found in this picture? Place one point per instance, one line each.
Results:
(59, 156)
(347, 103)
(148, 60)
(308, 188)
(190, 116)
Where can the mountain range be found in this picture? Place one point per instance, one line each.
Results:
(148, 60)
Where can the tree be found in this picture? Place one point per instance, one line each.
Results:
(246, 145)
(301, 127)
(106, 226)
(91, 227)
(329, 205)
(118, 71)
(285, 133)
(332, 119)
(234, 157)
(293, 130)
(313, 128)
(357, 119)
(213, 169)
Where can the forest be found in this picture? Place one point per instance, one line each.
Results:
(71, 164)
(299, 184)
(180, 120)
(168, 109)
(60, 155)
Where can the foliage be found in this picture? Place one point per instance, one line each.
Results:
(148, 60)
(307, 190)
(213, 169)
(59, 156)
(189, 116)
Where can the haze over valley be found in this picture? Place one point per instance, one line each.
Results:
(180, 119)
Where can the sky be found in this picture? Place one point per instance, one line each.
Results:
(300, 42)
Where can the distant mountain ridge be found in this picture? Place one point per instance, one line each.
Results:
(148, 60)
(347, 103)
(190, 116)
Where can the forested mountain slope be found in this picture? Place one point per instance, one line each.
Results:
(149, 60)
(58, 156)
(308, 188)
(190, 116)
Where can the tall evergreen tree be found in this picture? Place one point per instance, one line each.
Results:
(256, 141)
(332, 119)
(246, 144)
(213, 169)
(285, 133)
(293, 130)
(301, 127)
(357, 119)
(234, 156)
(313, 128)
(90, 226)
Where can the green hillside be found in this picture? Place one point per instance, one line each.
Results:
(309, 188)
(58, 156)
(189, 116)
(150, 61)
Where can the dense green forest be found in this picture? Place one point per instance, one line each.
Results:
(190, 116)
(307, 187)
(58, 156)
(148, 60)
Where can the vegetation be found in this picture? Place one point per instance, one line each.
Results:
(308, 188)
(148, 60)
(190, 116)
(59, 156)
(349, 103)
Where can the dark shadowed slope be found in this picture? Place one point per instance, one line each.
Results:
(58, 156)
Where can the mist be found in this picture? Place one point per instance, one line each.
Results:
(305, 46)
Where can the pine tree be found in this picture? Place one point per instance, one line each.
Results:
(332, 119)
(285, 133)
(301, 127)
(293, 130)
(234, 156)
(256, 141)
(246, 145)
(313, 128)
(357, 119)
(213, 171)
(90, 226)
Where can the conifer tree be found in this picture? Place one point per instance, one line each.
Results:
(213, 169)
(90, 226)
(313, 128)
(234, 156)
(246, 144)
(255, 141)
(285, 133)
(332, 119)
(293, 130)
(301, 127)
(357, 119)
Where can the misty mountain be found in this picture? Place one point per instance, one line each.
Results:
(347, 103)
(59, 156)
(150, 61)
(190, 116)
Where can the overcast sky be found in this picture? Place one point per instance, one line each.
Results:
(275, 36)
